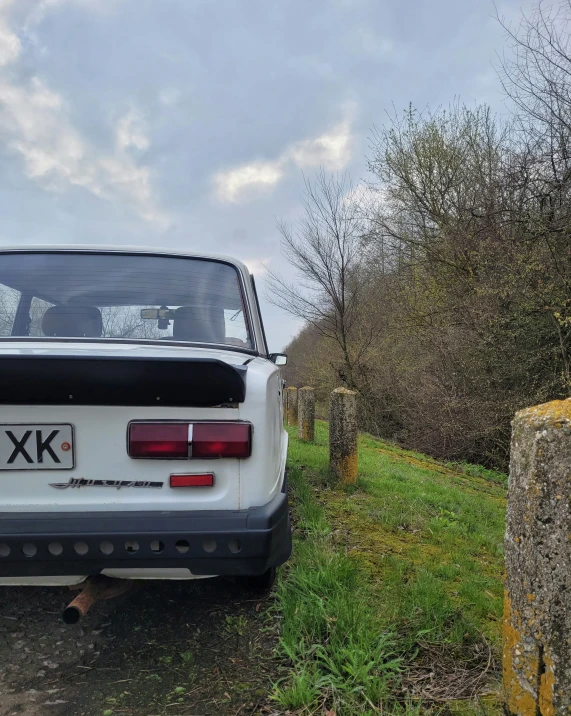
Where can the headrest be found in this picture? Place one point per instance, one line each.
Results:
(199, 324)
(72, 322)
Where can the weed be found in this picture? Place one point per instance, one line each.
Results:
(300, 690)
(236, 625)
(187, 657)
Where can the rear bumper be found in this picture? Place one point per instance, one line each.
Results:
(229, 542)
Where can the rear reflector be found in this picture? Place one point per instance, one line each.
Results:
(158, 440)
(205, 480)
(171, 441)
(221, 440)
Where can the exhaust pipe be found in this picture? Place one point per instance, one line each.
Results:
(99, 587)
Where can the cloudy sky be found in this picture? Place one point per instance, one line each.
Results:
(190, 123)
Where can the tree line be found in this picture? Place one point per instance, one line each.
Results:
(441, 289)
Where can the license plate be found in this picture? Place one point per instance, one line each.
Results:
(36, 447)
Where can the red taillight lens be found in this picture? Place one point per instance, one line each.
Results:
(205, 480)
(158, 440)
(183, 440)
(221, 440)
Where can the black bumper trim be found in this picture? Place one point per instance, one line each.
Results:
(217, 542)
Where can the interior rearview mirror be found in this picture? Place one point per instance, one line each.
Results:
(278, 358)
(154, 314)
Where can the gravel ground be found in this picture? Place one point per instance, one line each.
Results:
(200, 648)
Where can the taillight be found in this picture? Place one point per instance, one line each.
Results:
(221, 440)
(185, 440)
(158, 440)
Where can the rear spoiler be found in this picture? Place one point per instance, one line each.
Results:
(120, 380)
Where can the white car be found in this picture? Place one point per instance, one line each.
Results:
(141, 430)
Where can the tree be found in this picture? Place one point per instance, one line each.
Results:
(536, 77)
(325, 249)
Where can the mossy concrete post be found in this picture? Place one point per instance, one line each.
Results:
(343, 435)
(537, 612)
(291, 405)
(306, 413)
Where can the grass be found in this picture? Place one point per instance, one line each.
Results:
(393, 599)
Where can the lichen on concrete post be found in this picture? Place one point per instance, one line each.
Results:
(537, 611)
(291, 405)
(343, 435)
(306, 414)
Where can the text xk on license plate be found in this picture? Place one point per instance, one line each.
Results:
(36, 447)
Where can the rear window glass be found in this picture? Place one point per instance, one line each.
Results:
(121, 296)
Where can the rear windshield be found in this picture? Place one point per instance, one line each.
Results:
(121, 296)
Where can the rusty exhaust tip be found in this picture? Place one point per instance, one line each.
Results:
(99, 587)
(71, 615)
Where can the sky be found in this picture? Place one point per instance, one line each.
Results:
(191, 123)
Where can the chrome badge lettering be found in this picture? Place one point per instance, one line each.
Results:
(118, 484)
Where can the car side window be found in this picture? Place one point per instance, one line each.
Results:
(9, 300)
(236, 330)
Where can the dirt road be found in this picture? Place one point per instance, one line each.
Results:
(196, 648)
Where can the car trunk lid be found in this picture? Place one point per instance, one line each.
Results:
(65, 410)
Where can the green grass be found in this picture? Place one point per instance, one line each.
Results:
(402, 571)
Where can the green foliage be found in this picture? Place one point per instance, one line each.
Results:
(412, 557)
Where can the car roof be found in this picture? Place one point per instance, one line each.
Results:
(106, 248)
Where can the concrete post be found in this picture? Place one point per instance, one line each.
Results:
(284, 400)
(306, 408)
(537, 613)
(343, 435)
(291, 405)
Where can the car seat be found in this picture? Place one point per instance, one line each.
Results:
(199, 324)
(72, 322)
